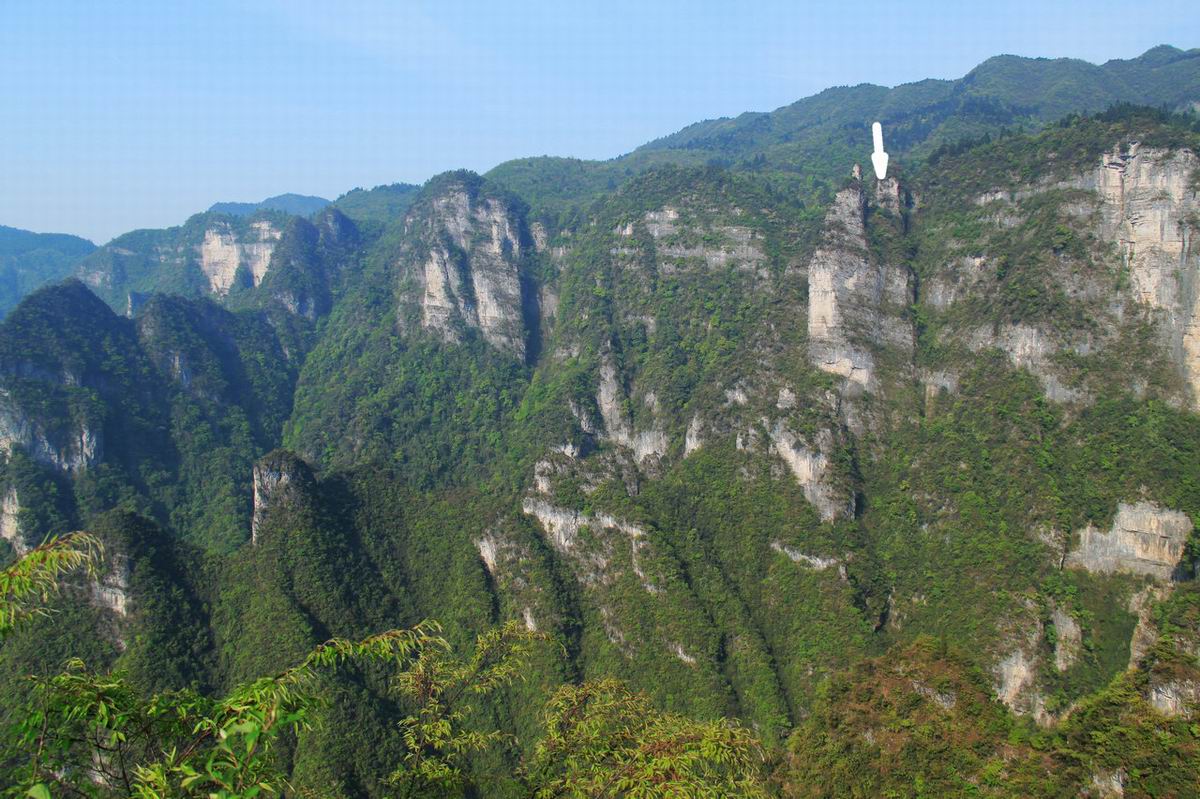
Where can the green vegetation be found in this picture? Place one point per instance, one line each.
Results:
(820, 137)
(96, 734)
(31, 260)
(380, 205)
(921, 722)
(295, 204)
(728, 531)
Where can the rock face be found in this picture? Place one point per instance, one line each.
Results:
(1015, 668)
(81, 448)
(851, 300)
(1145, 634)
(111, 589)
(593, 563)
(811, 468)
(1140, 200)
(1149, 209)
(466, 271)
(10, 523)
(1108, 784)
(1068, 638)
(1144, 539)
(812, 561)
(221, 254)
(1016, 677)
(1175, 697)
(309, 263)
(617, 426)
(279, 477)
(1029, 348)
(724, 247)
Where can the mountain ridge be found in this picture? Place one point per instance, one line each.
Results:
(28, 260)
(295, 204)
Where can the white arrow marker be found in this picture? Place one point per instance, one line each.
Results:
(879, 158)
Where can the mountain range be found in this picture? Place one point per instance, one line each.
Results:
(900, 473)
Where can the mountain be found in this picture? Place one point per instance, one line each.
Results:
(29, 260)
(902, 474)
(222, 257)
(295, 204)
(820, 137)
(380, 205)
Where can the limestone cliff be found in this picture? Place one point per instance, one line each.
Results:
(1140, 208)
(10, 521)
(1150, 208)
(1144, 539)
(210, 255)
(311, 264)
(855, 304)
(813, 470)
(611, 402)
(462, 267)
(222, 253)
(73, 449)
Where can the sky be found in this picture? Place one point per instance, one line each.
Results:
(124, 114)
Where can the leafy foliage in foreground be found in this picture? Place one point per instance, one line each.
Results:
(28, 584)
(95, 734)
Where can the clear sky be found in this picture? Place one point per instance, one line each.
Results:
(119, 114)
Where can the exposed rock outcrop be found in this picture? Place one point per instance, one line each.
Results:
(946, 700)
(853, 302)
(617, 425)
(815, 562)
(1108, 784)
(1145, 634)
(694, 437)
(1175, 697)
(1068, 639)
(1144, 539)
(1016, 680)
(80, 448)
(1016, 669)
(509, 561)
(810, 465)
(466, 272)
(594, 558)
(724, 246)
(111, 589)
(10, 521)
(223, 252)
(1150, 210)
(280, 477)
(1030, 348)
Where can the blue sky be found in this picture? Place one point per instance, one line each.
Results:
(124, 114)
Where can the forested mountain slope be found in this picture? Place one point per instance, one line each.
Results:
(814, 141)
(29, 260)
(871, 466)
(296, 204)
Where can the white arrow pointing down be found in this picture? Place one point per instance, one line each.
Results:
(879, 158)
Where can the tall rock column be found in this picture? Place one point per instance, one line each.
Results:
(854, 304)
